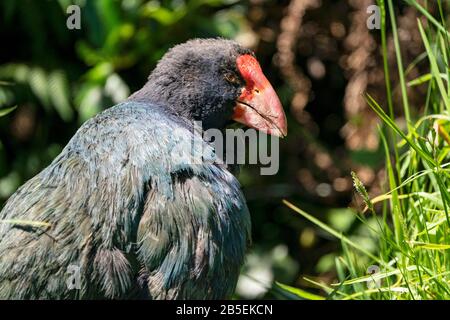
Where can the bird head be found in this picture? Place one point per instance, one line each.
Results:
(216, 81)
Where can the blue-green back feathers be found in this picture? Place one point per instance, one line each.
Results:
(126, 204)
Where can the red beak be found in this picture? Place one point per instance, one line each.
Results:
(258, 106)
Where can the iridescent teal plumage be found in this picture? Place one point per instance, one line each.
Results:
(136, 220)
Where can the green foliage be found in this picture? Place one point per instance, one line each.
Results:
(412, 256)
(4, 112)
(5, 98)
(59, 77)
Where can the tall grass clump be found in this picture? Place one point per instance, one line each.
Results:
(410, 222)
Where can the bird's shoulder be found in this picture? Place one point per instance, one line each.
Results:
(141, 133)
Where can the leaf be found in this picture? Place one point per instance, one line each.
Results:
(38, 82)
(4, 112)
(374, 277)
(299, 292)
(333, 232)
(422, 79)
(6, 83)
(89, 104)
(434, 66)
(425, 78)
(380, 112)
(430, 246)
(59, 94)
(164, 16)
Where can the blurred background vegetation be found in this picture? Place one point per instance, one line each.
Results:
(319, 55)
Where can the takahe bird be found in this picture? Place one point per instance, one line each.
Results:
(122, 202)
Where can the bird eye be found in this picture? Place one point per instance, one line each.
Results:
(231, 78)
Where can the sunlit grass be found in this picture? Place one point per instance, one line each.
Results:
(410, 222)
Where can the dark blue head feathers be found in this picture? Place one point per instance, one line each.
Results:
(197, 80)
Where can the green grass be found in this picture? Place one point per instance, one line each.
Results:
(3, 101)
(410, 222)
